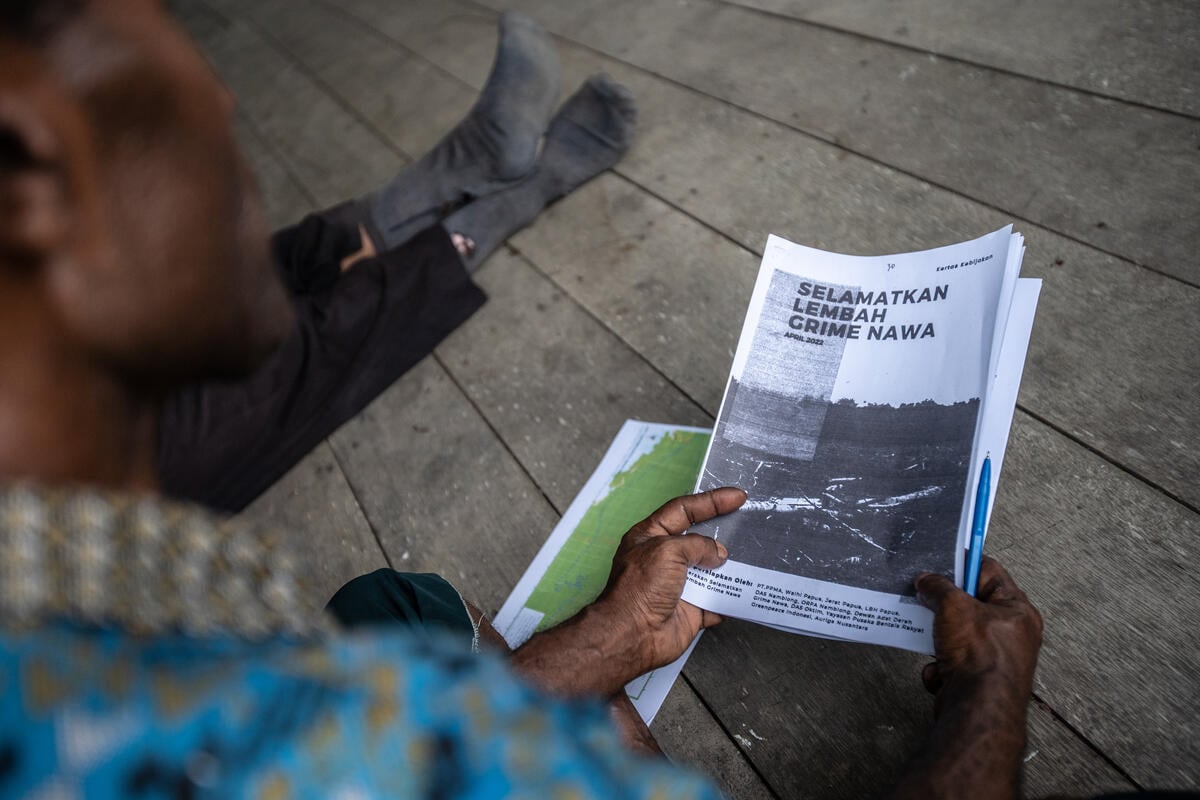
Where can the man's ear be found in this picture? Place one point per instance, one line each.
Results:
(34, 186)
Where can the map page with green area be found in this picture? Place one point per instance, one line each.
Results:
(646, 465)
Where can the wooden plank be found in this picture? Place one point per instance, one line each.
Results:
(836, 720)
(309, 131)
(285, 200)
(1111, 361)
(425, 424)
(679, 728)
(1118, 177)
(672, 289)
(820, 719)
(440, 488)
(1144, 52)
(412, 103)
(313, 501)
(1110, 566)
(531, 335)
(543, 380)
(1098, 368)
(315, 505)
(1059, 764)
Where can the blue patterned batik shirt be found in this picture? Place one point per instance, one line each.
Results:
(149, 650)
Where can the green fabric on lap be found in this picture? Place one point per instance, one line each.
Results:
(413, 600)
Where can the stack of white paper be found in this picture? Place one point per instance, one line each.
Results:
(863, 398)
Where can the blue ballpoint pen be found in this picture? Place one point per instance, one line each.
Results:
(978, 524)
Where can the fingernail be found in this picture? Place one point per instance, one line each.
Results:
(722, 550)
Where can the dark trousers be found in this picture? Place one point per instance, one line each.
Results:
(223, 444)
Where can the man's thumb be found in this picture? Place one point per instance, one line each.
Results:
(933, 589)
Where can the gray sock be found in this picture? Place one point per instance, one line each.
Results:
(494, 146)
(590, 133)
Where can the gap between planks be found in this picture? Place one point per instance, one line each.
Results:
(912, 48)
(813, 135)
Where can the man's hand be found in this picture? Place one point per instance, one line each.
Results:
(993, 638)
(638, 622)
(650, 568)
(986, 649)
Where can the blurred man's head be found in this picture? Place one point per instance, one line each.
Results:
(132, 242)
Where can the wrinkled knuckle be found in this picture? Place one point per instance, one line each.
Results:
(955, 604)
(687, 511)
(660, 526)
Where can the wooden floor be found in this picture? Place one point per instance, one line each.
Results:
(864, 127)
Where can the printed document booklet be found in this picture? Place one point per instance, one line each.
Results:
(864, 395)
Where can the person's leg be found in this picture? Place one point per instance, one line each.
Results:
(223, 444)
(494, 146)
(589, 134)
(359, 330)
